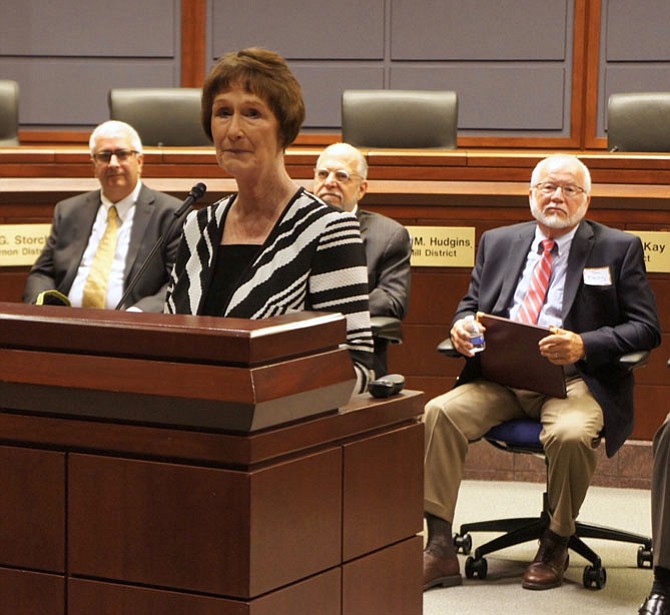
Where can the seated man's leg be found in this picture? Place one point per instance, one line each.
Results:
(658, 601)
(570, 433)
(453, 420)
(660, 496)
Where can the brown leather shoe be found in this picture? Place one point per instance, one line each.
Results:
(546, 570)
(440, 571)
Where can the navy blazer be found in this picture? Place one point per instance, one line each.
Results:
(612, 319)
(73, 219)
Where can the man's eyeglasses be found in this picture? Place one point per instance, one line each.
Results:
(106, 155)
(341, 175)
(549, 188)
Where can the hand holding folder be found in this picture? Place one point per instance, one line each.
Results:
(512, 357)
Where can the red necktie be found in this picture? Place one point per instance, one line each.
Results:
(532, 304)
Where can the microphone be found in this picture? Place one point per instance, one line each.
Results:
(194, 195)
(615, 149)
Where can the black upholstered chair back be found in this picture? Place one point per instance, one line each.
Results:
(638, 122)
(9, 112)
(161, 116)
(400, 118)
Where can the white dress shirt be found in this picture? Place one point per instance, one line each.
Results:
(126, 212)
(550, 315)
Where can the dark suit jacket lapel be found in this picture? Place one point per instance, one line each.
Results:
(143, 211)
(362, 221)
(513, 264)
(80, 233)
(581, 247)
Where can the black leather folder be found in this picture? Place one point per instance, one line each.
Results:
(512, 358)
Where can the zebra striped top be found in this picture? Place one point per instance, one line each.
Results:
(313, 259)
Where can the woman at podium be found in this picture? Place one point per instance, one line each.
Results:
(272, 247)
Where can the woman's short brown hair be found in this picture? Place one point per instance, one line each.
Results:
(265, 74)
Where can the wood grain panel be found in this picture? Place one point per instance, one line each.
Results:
(32, 509)
(394, 572)
(193, 38)
(370, 490)
(319, 594)
(362, 414)
(430, 385)
(13, 283)
(435, 294)
(31, 593)
(170, 337)
(651, 408)
(418, 356)
(204, 529)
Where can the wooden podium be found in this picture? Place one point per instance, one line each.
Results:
(160, 464)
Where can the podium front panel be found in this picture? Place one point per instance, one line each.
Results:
(209, 530)
(32, 509)
(371, 467)
(398, 583)
(27, 592)
(118, 482)
(319, 594)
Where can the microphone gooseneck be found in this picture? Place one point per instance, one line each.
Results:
(194, 195)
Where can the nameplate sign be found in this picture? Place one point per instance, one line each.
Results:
(21, 244)
(656, 246)
(442, 246)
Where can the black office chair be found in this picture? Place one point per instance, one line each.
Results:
(638, 122)
(523, 436)
(385, 330)
(400, 118)
(9, 113)
(388, 328)
(161, 116)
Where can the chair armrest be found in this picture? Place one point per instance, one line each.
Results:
(387, 328)
(629, 361)
(634, 360)
(446, 347)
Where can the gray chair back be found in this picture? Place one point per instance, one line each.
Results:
(9, 113)
(638, 122)
(400, 118)
(161, 116)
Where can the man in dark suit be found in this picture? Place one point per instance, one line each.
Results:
(340, 179)
(79, 225)
(658, 600)
(598, 306)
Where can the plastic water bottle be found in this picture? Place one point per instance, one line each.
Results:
(476, 334)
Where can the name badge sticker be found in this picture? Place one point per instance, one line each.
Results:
(597, 276)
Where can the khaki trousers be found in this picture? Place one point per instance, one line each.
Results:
(570, 433)
(660, 496)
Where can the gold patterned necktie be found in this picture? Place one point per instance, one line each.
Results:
(95, 289)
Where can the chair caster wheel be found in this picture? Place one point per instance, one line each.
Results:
(594, 577)
(476, 567)
(463, 543)
(644, 557)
